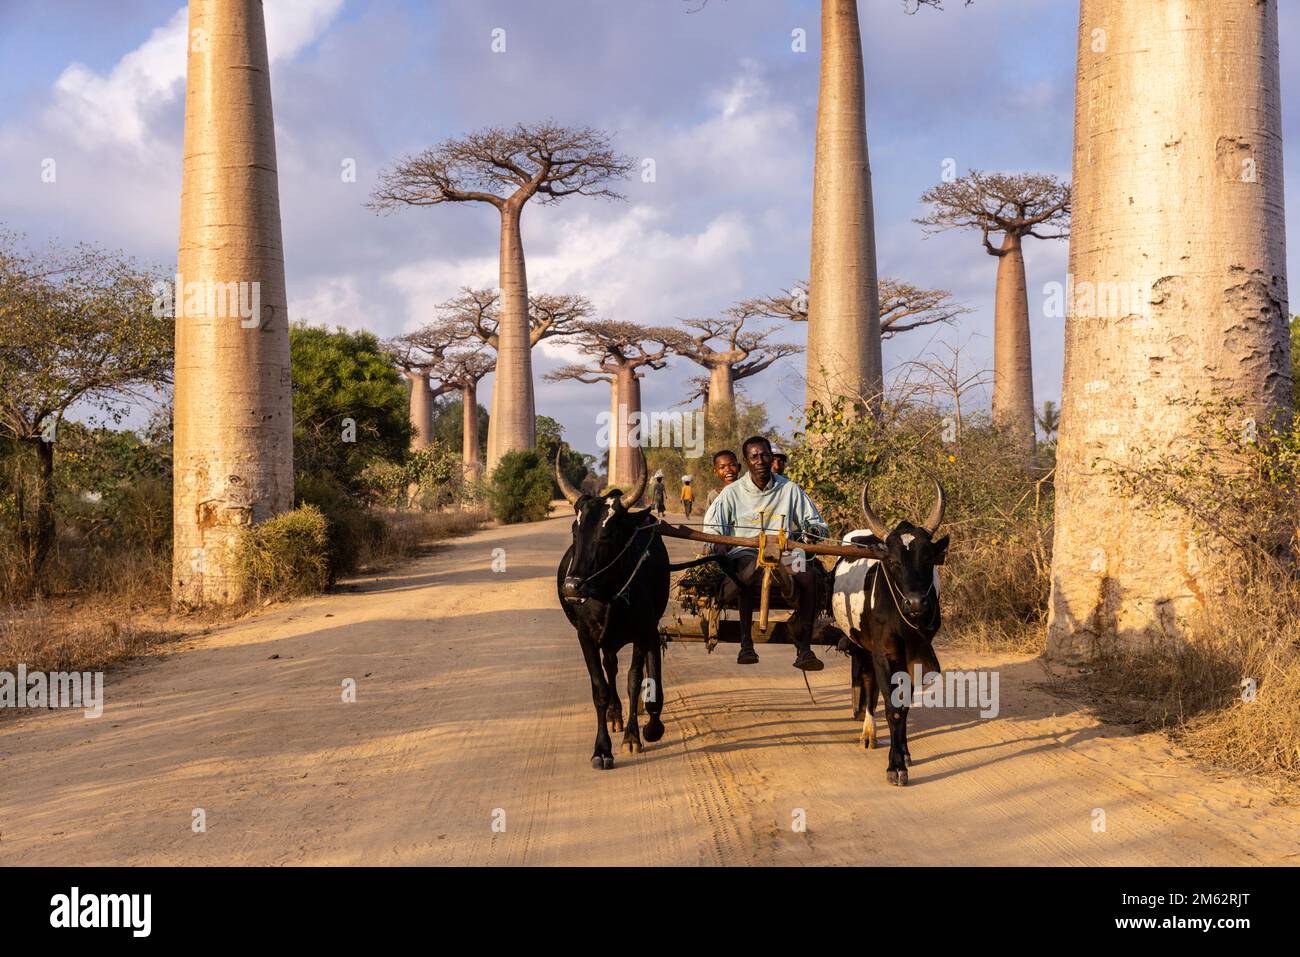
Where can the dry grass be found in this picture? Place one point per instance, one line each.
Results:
(407, 534)
(71, 636)
(1196, 693)
(118, 610)
(994, 592)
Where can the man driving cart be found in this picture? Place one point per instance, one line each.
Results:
(762, 499)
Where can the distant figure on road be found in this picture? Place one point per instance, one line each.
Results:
(660, 507)
(688, 496)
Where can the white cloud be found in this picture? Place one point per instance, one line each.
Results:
(753, 141)
(117, 108)
(332, 301)
(632, 266)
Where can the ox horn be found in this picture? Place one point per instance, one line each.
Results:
(936, 513)
(630, 499)
(570, 491)
(874, 524)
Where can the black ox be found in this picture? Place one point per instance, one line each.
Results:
(613, 587)
(886, 612)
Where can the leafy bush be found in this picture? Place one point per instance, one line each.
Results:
(352, 529)
(999, 511)
(286, 555)
(350, 405)
(429, 478)
(520, 488)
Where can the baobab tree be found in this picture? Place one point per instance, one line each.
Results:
(505, 168)
(1178, 266)
(463, 369)
(476, 314)
(729, 352)
(233, 452)
(619, 352)
(844, 307)
(418, 354)
(903, 306)
(1015, 206)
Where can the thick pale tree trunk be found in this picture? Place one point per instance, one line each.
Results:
(469, 451)
(628, 394)
(1013, 368)
(513, 422)
(722, 391)
(1177, 197)
(233, 405)
(421, 410)
(616, 426)
(492, 417)
(843, 300)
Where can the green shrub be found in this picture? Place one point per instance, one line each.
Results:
(352, 529)
(521, 488)
(286, 555)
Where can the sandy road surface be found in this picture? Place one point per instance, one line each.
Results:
(472, 697)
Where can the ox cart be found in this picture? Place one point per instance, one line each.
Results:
(698, 613)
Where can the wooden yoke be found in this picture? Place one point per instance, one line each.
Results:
(681, 531)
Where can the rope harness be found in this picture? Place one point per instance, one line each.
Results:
(893, 593)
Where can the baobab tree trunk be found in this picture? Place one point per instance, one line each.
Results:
(421, 410)
(616, 427)
(843, 300)
(1013, 369)
(513, 422)
(722, 391)
(233, 405)
(469, 453)
(627, 469)
(1177, 195)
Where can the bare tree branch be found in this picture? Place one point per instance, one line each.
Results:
(903, 306)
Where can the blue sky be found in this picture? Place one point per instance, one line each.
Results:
(716, 97)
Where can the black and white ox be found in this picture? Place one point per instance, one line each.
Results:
(613, 587)
(887, 607)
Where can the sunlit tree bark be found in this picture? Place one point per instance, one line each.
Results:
(234, 409)
(1178, 294)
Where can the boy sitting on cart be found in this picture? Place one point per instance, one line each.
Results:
(761, 498)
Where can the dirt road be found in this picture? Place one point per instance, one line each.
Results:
(470, 737)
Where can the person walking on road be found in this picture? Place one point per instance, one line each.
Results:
(688, 496)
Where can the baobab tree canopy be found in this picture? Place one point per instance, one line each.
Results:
(1019, 204)
(505, 168)
(501, 165)
(476, 313)
(903, 306)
